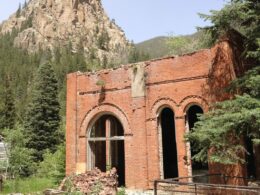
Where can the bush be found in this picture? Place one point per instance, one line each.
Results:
(53, 164)
(121, 191)
(20, 158)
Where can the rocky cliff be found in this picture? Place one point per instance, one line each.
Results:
(82, 24)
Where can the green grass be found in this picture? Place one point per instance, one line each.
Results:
(32, 185)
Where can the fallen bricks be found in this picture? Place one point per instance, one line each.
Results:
(92, 182)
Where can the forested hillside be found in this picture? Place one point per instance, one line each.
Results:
(156, 47)
(33, 69)
(173, 45)
(53, 30)
(36, 54)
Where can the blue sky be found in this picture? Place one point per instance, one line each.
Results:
(145, 19)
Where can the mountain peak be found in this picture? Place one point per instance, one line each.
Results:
(46, 24)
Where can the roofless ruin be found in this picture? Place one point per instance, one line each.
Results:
(134, 117)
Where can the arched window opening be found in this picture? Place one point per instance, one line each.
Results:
(106, 146)
(168, 143)
(192, 117)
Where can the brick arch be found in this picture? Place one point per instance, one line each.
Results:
(163, 103)
(104, 109)
(185, 104)
(188, 101)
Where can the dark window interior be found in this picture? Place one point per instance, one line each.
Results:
(192, 114)
(170, 162)
(99, 149)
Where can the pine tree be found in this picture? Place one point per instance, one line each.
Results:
(24, 4)
(18, 12)
(8, 115)
(137, 56)
(230, 121)
(42, 118)
(240, 15)
(223, 127)
(103, 40)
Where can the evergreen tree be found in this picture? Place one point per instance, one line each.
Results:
(42, 118)
(240, 15)
(8, 115)
(20, 66)
(103, 40)
(228, 123)
(223, 127)
(18, 12)
(24, 4)
(137, 56)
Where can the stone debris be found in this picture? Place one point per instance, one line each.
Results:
(254, 184)
(53, 192)
(92, 182)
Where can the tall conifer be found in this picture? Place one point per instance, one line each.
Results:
(231, 129)
(42, 117)
(8, 115)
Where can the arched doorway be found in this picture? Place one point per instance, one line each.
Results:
(191, 118)
(106, 146)
(168, 144)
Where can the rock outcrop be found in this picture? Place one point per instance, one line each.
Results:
(83, 24)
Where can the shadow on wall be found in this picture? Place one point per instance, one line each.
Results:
(221, 74)
(224, 68)
(102, 95)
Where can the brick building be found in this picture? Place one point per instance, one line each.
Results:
(134, 117)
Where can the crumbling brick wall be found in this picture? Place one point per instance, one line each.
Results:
(136, 94)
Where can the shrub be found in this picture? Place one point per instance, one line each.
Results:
(53, 164)
(20, 157)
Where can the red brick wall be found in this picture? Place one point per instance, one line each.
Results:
(174, 82)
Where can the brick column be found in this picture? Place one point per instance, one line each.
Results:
(181, 145)
(139, 172)
(129, 162)
(71, 124)
(139, 144)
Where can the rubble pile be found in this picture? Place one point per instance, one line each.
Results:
(92, 182)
